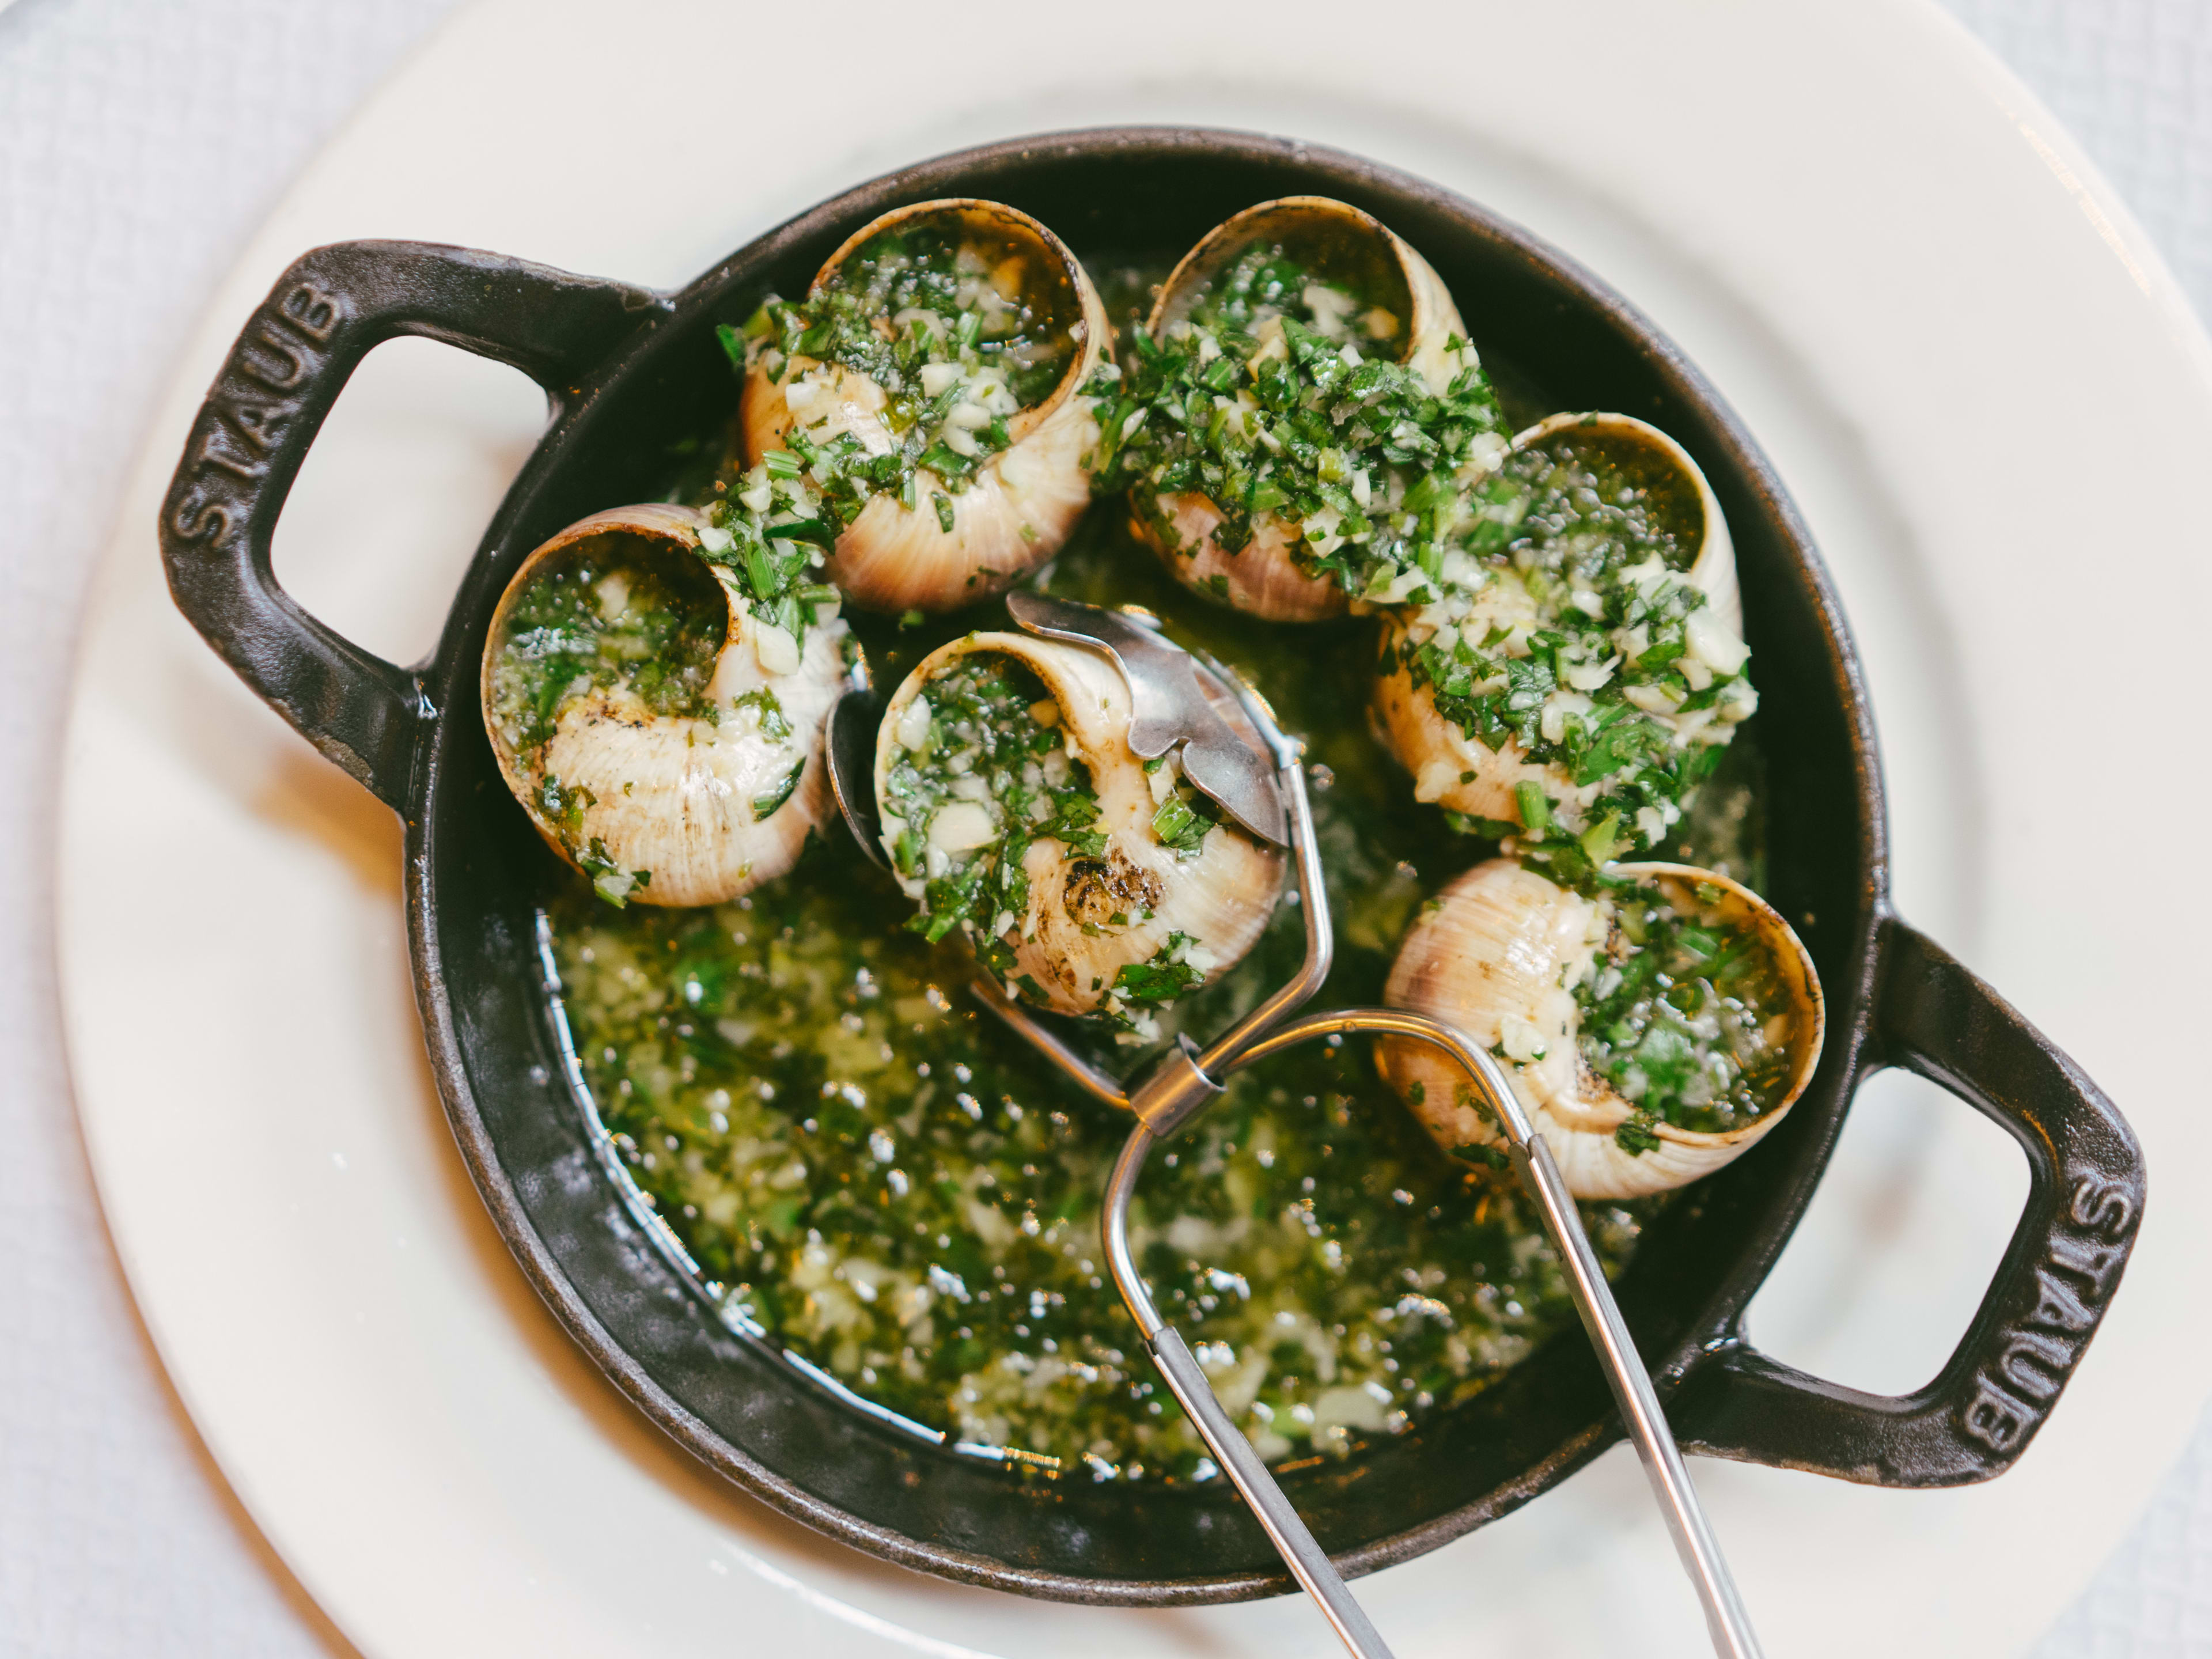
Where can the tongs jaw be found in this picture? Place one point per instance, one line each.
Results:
(1171, 707)
(1169, 703)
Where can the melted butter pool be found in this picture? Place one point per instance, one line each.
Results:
(894, 1189)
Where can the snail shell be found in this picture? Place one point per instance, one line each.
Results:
(674, 796)
(1332, 239)
(1221, 897)
(1497, 956)
(1022, 503)
(1454, 769)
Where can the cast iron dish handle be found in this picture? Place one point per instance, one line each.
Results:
(2084, 1200)
(292, 359)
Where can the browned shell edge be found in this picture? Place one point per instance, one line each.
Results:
(1097, 332)
(1812, 1001)
(1238, 232)
(658, 519)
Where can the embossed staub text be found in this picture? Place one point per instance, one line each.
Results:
(2035, 1350)
(255, 401)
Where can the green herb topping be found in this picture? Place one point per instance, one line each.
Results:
(1685, 1014)
(773, 538)
(1184, 818)
(1169, 974)
(1562, 622)
(615, 612)
(982, 772)
(1278, 395)
(959, 337)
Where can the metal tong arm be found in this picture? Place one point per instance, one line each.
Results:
(1293, 1540)
(1167, 1097)
(1727, 1621)
(1313, 899)
(1101, 1087)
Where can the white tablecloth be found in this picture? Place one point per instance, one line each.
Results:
(139, 145)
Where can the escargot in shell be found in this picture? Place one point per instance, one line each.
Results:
(659, 721)
(1089, 880)
(931, 386)
(1304, 407)
(1655, 1028)
(1577, 660)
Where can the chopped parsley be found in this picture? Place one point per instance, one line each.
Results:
(959, 334)
(979, 777)
(1561, 623)
(772, 538)
(1185, 816)
(1634, 1136)
(1165, 977)
(608, 879)
(615, 612)
(765, 804)
(1684, 1013)
(1277, 397)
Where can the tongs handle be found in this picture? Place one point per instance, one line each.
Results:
(1727, 1622)
(1300, 1552)
(1293, 1540)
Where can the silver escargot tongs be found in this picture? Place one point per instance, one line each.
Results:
(1170, 706)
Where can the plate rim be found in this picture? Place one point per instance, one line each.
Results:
(2160, 292)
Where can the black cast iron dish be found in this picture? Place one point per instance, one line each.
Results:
(629, 372)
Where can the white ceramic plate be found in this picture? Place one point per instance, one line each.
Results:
(1988, 398)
